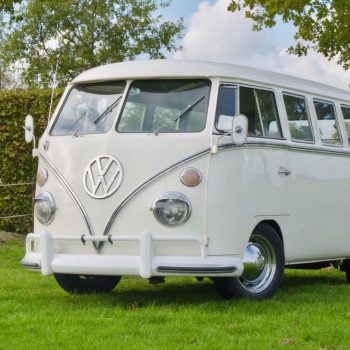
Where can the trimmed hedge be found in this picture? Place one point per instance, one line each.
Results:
(16, 162)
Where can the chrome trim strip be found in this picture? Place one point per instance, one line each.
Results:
(34, 266)
(293, 147)
(143, 185)
(71, 194)
(196, 269)
(301, 262)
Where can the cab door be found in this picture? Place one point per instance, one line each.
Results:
(250, 183)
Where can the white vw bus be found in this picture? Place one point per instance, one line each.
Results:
(183, 168)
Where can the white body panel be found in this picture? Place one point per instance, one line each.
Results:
(241, 186)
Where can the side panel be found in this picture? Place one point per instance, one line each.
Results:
(320, 213)
(244, 188)
(310, 205)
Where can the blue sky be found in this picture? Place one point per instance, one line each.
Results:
(214, 34)
(282, 35)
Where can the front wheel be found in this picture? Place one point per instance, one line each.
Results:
(263, 263)
(84, 284)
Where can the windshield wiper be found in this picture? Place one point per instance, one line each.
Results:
(181, 114)
(108, 110)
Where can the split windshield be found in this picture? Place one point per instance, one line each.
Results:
(165, 106)
(89, 109)
(151, 106)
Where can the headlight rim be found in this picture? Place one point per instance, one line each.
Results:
(167, 196)
(45, 196)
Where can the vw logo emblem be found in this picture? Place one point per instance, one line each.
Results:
(102, 177)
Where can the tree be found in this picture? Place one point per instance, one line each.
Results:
(321, 24)
(8, 5)
(81, 34)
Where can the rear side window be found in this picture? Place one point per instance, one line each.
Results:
(346, 115)
(298, 118)
(261, 110)
(327, 123)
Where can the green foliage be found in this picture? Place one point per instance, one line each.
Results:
(8, 5)
(81, 34)
(322, 24)
(16, 162)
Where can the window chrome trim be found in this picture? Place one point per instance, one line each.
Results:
(336, 119)
(308, 117)
(254, 87)
(228, 86)
(127, 93)
(66, 96)
(346, 121)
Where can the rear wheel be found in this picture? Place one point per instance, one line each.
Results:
(263, 267)
(346, 268)
(83, 284)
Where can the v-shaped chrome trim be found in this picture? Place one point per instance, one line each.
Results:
(129, 197)
(72, 194)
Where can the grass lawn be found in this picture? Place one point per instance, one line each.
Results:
(311, 311)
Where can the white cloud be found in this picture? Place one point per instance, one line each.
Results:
(214, 34)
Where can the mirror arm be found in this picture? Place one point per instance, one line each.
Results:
(238, 130)
(214, 148)
(34, 140)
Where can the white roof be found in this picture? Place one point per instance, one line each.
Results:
(156, 69)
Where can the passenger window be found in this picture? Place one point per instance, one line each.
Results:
(226, 108)
(259, 106)
(327, 123)
(298, 118)
(346, 115)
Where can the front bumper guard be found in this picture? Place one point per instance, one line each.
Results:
(145, 265)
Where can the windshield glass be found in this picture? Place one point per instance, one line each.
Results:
(165, 106)
(89, 109)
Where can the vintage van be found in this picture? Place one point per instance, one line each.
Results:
(184, 168)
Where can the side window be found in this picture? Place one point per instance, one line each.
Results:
(261, 110)
(346, 115)
(327, 123)
(226, 108)
(298, 118)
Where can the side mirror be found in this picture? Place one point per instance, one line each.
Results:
(225, 123)
(239, 129)
(29, 128)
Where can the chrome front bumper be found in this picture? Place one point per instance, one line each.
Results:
(145, 265)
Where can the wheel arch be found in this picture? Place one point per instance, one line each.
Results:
(274, 224)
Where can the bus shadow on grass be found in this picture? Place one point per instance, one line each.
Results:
(135, 292)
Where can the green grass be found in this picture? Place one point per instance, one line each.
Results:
(310, 311)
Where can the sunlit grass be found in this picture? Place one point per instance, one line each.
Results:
(311, 311)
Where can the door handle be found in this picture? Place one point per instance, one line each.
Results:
(283, 171)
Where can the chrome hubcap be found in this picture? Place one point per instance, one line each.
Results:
(259, 263)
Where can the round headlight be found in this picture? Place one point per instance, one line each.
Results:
(172, 209)
(45, 207)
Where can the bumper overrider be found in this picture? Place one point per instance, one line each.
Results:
(145, 265)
